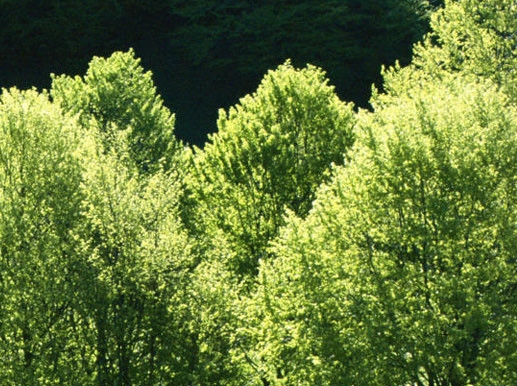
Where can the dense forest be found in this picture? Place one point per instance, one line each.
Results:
(310, 241)
(207, 54)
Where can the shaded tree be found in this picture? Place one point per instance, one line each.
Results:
(207, 53)
(57, 32)
(350, 39)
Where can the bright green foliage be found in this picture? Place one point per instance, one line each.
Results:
(472, 36)
(403, 274)
(477, 37)
(270, 154)
(138, 262)
(215, 297)
(95, 263)
(116, 94)
(39, 199)
(399, 271)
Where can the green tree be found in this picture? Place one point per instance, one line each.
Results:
(270, 154)
(116, 94)
(136, 255)
(95, 261)
(39, 199)
(468, 36)
(207, 53)
(137, 259)
(215, 298)
(404, 271)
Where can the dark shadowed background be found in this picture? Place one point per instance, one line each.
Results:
(205, 55)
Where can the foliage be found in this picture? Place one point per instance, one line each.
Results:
(469, 36)
(403, 272)
(336, 35)
(138, 261)
(306, 244)
(271, 153)
(53, 31)
(472, 36)
(116, 94)
(95, 262)
(205, 54)
(39, 196)
(215, 299)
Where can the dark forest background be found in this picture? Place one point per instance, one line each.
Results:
(207, 54)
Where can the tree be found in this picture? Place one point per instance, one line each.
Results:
(468, 36)
(137, 263)
(95, 261)
(403, 272)
(215, 299)
(270, 154)
(116, 94)
(136, 254)
(206, 54)
(40, 194)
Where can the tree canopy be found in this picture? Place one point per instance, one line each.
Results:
(39, 195)
(270, 154)
(402, 272)
(309, 242)
(117, 95)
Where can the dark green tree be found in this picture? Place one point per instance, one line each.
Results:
(57, 32)
(207, 53)
(350, 39)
